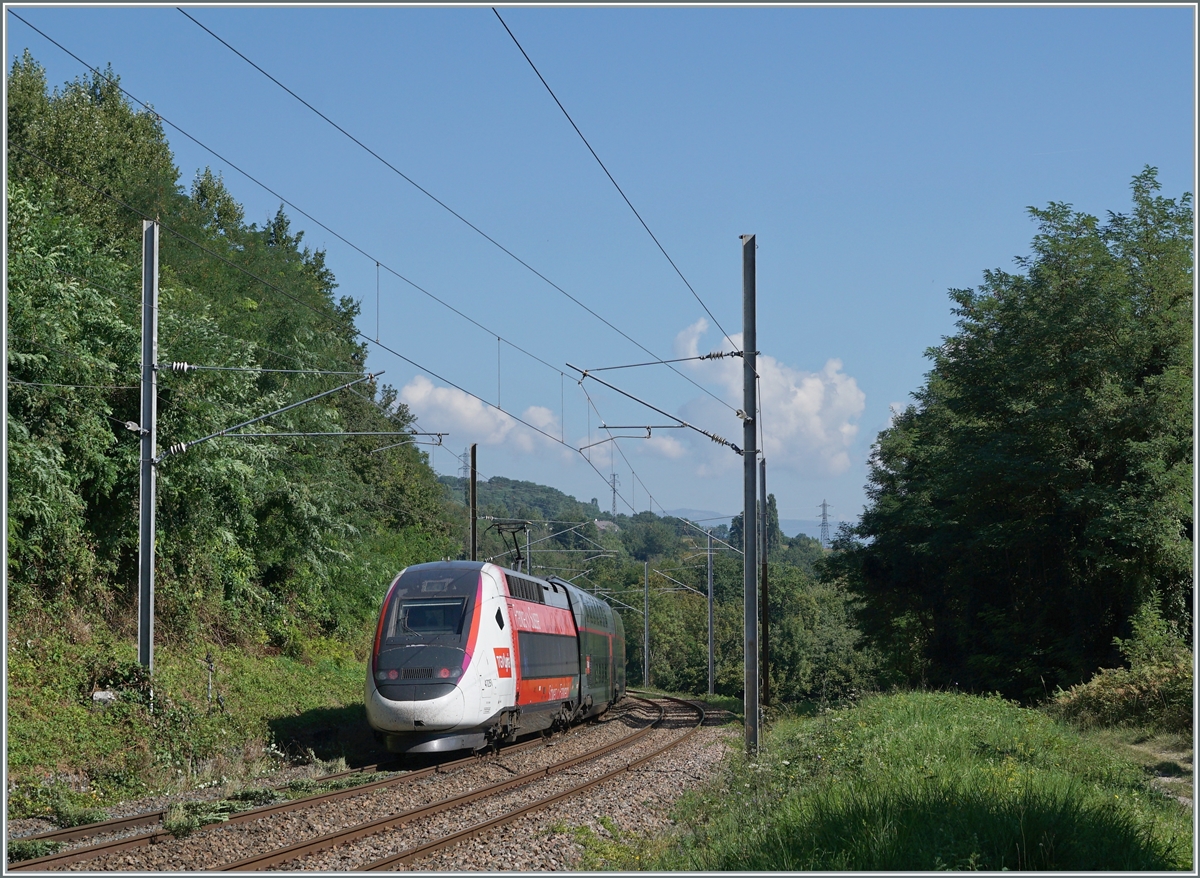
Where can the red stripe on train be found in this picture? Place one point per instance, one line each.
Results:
(543, 690)
(528, 616)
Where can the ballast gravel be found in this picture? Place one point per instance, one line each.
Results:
(635, 802)
(359, 854)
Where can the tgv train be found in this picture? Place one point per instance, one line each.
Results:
(469, 654)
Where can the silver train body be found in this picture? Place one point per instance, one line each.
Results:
(467, 654)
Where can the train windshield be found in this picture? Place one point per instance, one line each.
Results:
(430, 605)
(437, 616)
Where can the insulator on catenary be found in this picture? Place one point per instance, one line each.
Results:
(182, 367)
(178, 449)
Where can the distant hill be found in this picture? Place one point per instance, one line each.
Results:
(518, 499)
(790, 526)
(514, 498)
(706, 517)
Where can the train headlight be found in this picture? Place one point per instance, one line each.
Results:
(381, 675)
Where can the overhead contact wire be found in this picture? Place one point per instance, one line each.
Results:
(453, 212)
(304, 304)
(614, 182)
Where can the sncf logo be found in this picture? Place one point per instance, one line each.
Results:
(503, 661)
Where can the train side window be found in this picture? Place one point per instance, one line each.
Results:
(499, 619)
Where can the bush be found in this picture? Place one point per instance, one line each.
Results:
(28, 849)
(1155, 691)
(1157, 696)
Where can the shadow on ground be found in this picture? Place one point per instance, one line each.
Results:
(330, 733)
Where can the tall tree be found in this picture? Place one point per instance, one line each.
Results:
(1039, 490)
(294, 533)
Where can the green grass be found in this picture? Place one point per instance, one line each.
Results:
(184, 818)
(1166, 756)
(925, 781)
(716, 702)
(67, 757)
(28, 849)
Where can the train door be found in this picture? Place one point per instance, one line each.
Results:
(618, 648)
(499, 658)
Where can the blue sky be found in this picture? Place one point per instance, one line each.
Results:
(882, 155)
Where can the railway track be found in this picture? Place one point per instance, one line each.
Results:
(120, 826)
(416, 852)
(147, 818)
(104, 850)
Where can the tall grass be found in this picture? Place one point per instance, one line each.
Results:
(67, 755)
(928, 781)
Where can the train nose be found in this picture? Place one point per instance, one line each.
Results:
(410, 708)
(440, 713)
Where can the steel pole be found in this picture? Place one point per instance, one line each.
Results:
(765, 606)
(749, 500)
(149, 444)
(712, 664)
(646, 632)
(473, 497)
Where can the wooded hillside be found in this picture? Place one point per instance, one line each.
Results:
(257, 539)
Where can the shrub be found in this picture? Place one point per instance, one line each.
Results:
(28, 849)
(1155, 691)
(1157, 696)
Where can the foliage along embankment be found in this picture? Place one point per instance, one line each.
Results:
(271, 554)
(259, 541)
(68, 754)
(920, 781)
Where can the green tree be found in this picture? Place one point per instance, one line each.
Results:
(256, 539)
(1040, 488)
(646, 536)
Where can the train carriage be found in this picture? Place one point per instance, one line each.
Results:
(468, 653)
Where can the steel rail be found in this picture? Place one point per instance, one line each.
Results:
(415, 853)
(353, 833)
(89, 830)
(75, 855)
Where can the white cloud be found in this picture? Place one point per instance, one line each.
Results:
(462, 415)
(665, 446)
(687, 343)
(808, 417)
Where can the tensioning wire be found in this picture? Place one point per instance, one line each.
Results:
(451, 211)
(614, 182)
(378, 263)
